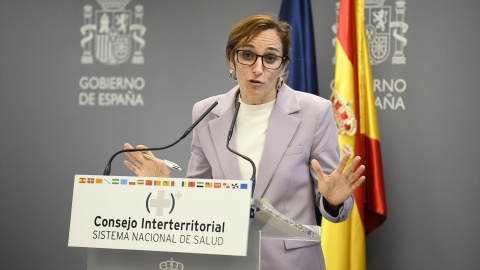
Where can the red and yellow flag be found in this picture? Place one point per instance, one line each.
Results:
(356, 117)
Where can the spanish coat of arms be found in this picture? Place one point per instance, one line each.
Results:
(385, 27)
(113, 33)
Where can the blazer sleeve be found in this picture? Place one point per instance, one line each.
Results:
(325, 150)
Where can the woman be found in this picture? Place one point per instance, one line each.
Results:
(291, 136)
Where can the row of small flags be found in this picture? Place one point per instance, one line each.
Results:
(126, 182)
(164, 183)
(213, 185)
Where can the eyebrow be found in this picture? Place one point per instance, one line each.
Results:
(267, 49)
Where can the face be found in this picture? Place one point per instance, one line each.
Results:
(258, 84)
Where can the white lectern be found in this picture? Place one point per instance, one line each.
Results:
(174, 224)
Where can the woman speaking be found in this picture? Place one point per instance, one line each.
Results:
(291, 137)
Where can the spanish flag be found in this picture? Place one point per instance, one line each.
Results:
(354, 109)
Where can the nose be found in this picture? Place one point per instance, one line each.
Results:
(257, 67)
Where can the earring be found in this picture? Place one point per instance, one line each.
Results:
(232, 75)
(279, 83)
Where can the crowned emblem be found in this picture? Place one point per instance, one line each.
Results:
(170, 265)
(113, 33)
(380, 26)
(344, 116)
(384, 28)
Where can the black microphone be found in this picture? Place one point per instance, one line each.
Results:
(253, 178)
(109, 164)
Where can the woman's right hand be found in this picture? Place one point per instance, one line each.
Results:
(144, 167)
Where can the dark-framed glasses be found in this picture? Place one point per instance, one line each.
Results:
(270, 61)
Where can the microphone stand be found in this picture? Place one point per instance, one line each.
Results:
(253, 178)
(108, 168)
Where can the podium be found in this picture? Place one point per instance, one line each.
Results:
(122, 241)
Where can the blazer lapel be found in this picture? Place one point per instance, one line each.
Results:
(281, 129)
(219, 130)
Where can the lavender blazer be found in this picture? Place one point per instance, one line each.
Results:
(301, 128)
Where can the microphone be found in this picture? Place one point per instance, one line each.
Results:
(253, 178)
(108, 168)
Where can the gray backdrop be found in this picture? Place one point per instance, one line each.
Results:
(427, 110)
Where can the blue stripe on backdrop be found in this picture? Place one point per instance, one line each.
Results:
(302, 67)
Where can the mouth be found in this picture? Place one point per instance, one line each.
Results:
(256, 82)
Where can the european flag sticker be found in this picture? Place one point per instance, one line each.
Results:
(243, 186)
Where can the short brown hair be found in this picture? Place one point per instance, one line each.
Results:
(249, 28)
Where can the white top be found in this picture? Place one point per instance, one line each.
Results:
(251, 130)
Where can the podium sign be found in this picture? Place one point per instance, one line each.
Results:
(161, 214)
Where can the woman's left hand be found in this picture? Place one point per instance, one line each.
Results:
(338, 186)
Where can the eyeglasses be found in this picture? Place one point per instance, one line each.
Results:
(269, 61)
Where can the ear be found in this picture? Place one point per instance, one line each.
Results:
(285, 66)
(233, 67)
(232, 64)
